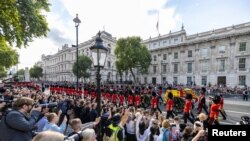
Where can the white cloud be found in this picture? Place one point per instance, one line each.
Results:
(121, 18)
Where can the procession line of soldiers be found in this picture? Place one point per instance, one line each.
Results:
(216, 106)
(145, 97)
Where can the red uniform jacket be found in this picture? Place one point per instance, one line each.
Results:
(121, 99)
(93, 95)
(214, 111)
(86, 93)
(170, 104)
(188, 106)
(137, 100)
(108, 97)
(130, 99)
(114, 98)
(154, 102)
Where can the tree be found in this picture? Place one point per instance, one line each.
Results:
(3, 73)
(130, 54)
(20, 72)
(8, 56)
(22, 20)
(84, 65)
(36, 72)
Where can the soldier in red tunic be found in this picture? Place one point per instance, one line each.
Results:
(188, 108)
(114, 98)
(222, 111)
(170, 105)
(121, 98)
(137, 100)
(154, 102)
(130, 100)
(202, 101)
(214, 111)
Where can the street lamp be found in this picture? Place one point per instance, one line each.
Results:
(99, 54)
(77, 22)
(112, 73)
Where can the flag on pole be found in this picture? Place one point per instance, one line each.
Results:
(157, 24)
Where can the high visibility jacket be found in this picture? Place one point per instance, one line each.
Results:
(115, 131)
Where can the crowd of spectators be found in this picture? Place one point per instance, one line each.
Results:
(76, 117)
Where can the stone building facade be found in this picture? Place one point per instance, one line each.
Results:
(58, 67)
(220, 56)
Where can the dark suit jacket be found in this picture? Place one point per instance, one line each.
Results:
(18, 127)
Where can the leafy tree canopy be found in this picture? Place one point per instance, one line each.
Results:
(131, 53)
(84, 65)
(36, 72)
(22, 20)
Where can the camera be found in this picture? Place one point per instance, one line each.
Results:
(47, 105)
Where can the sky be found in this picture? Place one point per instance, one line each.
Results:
(124, 18)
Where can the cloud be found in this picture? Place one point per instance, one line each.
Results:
(121, 19)
(152, 12)
(58, 37)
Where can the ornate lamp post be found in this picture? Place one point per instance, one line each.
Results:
(77, 23)
(99, 54)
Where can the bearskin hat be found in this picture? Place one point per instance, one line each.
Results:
(203, 90)
(189, 96)
(153, 93)
(216, 99)
(170, 95)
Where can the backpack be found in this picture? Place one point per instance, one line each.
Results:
(165, 135)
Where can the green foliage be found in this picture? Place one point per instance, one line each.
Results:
(84, 65)
(36, 72)
(3, 73)
(20, 72)
(131, 53)
(22, 20)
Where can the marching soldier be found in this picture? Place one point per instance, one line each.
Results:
(214, 111)
(188, 108)
(202, 101)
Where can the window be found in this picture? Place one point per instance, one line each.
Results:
(145, 80)
(190, 53)
(204, 67)
(109, 50)
(204, 53)
(176, 55)
(164, 42)
(189, 80)
(154, 44)
(109, 64)
(243, 46)
(175, 68)
(164, 69)
(164, 56)
(189, 67)
(222, 49)
(242, 80)
(242, 64)
(155, 58)
(175, 40)
(154, 69)
(221, 65)
(204, 80)
(175, 80)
